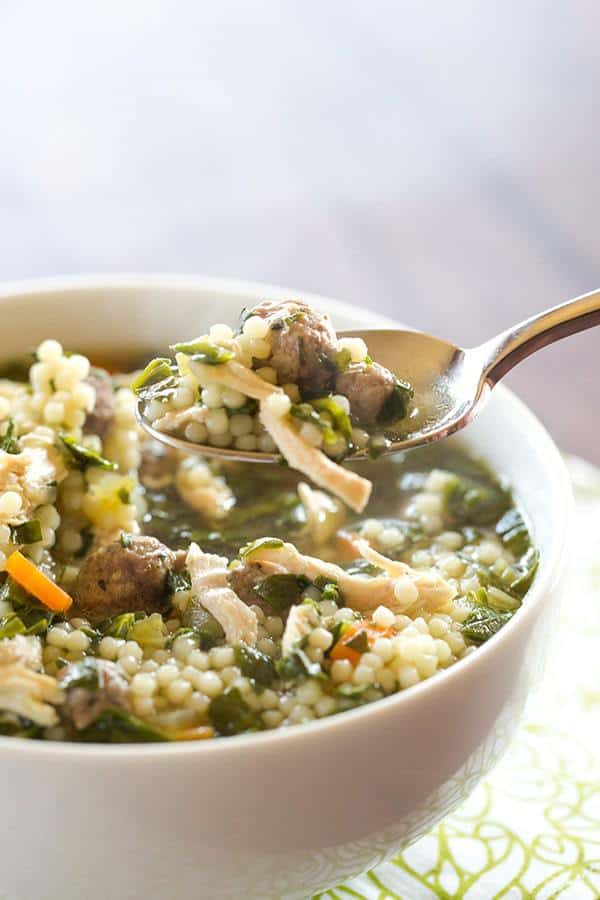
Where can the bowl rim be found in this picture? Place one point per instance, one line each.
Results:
(549, 573)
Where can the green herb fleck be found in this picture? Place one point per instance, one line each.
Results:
(27, 533)
(157, 369)
(340, 417)
(8, 442)
(343, 358)
(362, 567)
(204, 351)
(81, 457)
(265, 543)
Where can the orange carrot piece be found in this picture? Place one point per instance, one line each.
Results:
(25, 573)
(342, 651)
(199, 733)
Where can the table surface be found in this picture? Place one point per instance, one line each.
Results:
(436, 162)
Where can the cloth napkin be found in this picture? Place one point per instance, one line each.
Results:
(532, 829)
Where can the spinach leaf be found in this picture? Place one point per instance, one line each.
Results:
(118, 626)
(513, 532)
(11, 625)
(178, 581)
(331, 592)
(204, 626)
(473, 502)
(255, 664)
(483, 623)
(282, 590)
(87, 539)
(396, 406)
(116, 726)
(298, 665)
(230, 714)
(19, 726)
(86, 673)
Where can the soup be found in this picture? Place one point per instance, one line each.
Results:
(148, 596)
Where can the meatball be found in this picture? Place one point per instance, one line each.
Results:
(124, 576)
(303, 345)
(372, 392)
(92, 686)
(99, 420)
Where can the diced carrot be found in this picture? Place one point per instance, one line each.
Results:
(36, 583)
(199, 733)
(342, 651)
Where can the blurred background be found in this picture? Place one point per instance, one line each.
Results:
(437, 162)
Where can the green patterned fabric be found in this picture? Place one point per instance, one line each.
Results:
(533, 828)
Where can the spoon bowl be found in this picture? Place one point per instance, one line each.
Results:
(451, 385)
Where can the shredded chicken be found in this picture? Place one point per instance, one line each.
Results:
(24, 691)
(210, 584)
(200, 488)
(231, 375)
(363, 592)
(324, 514)
(350, 487)
(31, 472)
(300, 623)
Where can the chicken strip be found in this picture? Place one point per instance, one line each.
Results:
(210, 584)
(365, 593)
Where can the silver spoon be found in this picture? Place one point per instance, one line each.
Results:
(451, 385)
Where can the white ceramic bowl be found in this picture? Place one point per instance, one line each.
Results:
(286, 813)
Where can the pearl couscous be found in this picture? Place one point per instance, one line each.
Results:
(145, 596)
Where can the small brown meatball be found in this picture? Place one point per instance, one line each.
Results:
(244, 579)
(99, 420)
(368, 388)
(117, 579)
(303, 343)
(158, 466)
(108, 687)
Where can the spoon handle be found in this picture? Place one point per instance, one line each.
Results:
(503, 352)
